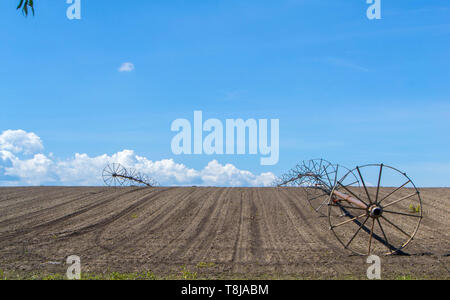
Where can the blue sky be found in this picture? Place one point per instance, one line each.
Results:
(346, 88)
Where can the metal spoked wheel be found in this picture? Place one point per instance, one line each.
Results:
(381, 216)
(114, 175)
(322, 178)
(135, 175)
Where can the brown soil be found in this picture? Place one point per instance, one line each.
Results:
(216, 232)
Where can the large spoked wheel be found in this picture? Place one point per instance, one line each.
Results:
(381, 216)
(132, 174)
(137, 179)
(321, 180)
(114, 175)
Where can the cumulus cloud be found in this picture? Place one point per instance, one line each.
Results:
(81, 169)
(215, 173)
(19, 141)
(30, 171)
(126, 67)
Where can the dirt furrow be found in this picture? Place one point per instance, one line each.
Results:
(196, 236)
(215, 231)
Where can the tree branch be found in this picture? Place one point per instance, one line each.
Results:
(25, 5)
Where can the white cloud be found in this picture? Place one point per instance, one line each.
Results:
(81, 169)
(126, 67)
(19, 141)
(215, 174)
(6, 155)
(31, 171)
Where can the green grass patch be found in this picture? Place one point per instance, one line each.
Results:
(2, 275)
(185, 273)
(405, 277)
(202, 265)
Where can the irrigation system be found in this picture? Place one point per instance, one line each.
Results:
(371, 209)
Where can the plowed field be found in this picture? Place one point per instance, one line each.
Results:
(215, 232)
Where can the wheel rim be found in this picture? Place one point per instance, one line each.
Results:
(113, 175)
(390, 220)
(326, 177)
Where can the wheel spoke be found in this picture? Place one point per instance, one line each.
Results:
(357, 231)
(371, 236)
(384, 235)
(403, 214)
(379, 182)
(322, 204)
(108, 180)
(390, 194)
(335, 175)
(396, 227)
(329, 180)
(364, 185)
(314, 164)
(348, 221)
(315, 197)
(401, 199)
(350, 184)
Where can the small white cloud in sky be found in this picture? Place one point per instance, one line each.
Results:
(81, 169)
(17, 141)
(126, 67)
